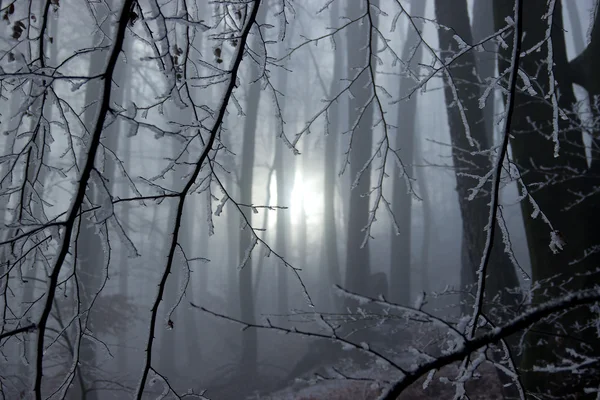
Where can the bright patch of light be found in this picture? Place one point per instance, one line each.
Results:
(306, 200)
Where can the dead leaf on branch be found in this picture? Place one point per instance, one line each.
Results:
(18, 28)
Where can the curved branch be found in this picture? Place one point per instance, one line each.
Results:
(512, 327)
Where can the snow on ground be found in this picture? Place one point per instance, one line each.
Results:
(485, 387)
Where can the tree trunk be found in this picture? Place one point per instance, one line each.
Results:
(533, 152)
(400, 257)
(91, 260)
(249, 357)
(427, 221)
(483, 26)
(284, 169)
(359, 55)
(501, 273)
(330, 241)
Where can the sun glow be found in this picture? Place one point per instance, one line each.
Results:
(306, 201)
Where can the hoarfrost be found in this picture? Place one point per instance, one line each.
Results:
(461, 43)
(419, 301)
(102, 198)
(133, 129)
(248, 253)
(124, 240)
(557, 242)
(429, 379)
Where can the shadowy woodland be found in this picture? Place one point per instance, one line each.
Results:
(299, 199)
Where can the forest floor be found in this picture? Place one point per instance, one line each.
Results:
(487, 386)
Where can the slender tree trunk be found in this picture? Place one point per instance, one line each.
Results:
(90, 256)
(179, 338)
(330, 239)
(249, 357)
(125, 218)
(233, 257)
(359, 56)
(482, 26)
(427, 220)
(400, 255)
(583, 70)
(285, 180)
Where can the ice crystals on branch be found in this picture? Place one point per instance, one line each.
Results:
(124, 239)
(461, 43)
(249, 250)
(429, 379)
(133, 129)
(347, 346)
(166, 388)
(528, 86)
(103, 198)
(420, 301)
(75, 86)
(557, 242)
(221, 204)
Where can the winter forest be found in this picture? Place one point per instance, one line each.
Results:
(299, 199)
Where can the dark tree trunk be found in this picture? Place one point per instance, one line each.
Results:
(400, 261)
(501, 278)
(501, 273)
(91, 260)
(533, 152)
(483, 26)
(330, 240)
(359, 56)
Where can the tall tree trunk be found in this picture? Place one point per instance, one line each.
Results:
(249, 357)
(330, 240)
(502, 278)
(583, 70)
(299, 178)
(360, 44)
(427, 221)
(400, 255)
(91, 260)
(124, 264)
(25, 206)
(233, 234)
(483, 26)
(578, 225)
(502, 275)
(285, 181)
(179, 338)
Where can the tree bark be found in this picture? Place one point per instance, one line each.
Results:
(90, 256)
(330, 239)
(483, 26)
(533, 152)
(360, 46)
(501, 273)
(249, 357)
(285, 181)
(400, 257)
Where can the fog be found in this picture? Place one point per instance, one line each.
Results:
(195, 194)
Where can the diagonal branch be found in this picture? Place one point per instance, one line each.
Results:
(80, 195)
(233, 77)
